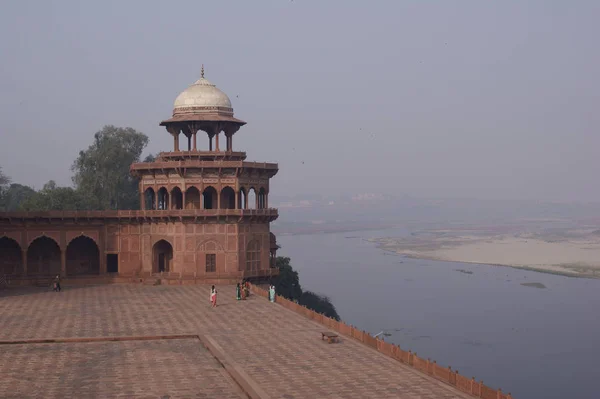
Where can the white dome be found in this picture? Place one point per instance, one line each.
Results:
(202, 94)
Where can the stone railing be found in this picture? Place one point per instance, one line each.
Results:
(174, 213)
(426, 366)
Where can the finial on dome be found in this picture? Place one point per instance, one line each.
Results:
(202, 71)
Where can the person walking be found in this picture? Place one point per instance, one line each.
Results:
(56, 284)
(213, 296)
(238, 292)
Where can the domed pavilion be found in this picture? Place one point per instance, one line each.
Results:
(204, 213)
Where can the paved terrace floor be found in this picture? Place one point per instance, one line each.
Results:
(240, 345)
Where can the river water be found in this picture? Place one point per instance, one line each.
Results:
(531, 342)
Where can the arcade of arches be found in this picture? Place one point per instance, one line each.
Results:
(44, 257)
(209, 198)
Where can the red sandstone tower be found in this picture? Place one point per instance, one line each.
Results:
(204, 212)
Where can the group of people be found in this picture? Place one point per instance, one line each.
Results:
(242, 291)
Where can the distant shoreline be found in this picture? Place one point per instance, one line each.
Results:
(577, 256)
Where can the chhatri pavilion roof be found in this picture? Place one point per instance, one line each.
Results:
(203, 101)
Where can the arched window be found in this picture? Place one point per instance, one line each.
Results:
(262, 198)
(149, 199)
(176, 198)
(242, 199)
(211, 198)
(192, 198)
(227, 198)
(163, 199)
(251, 198)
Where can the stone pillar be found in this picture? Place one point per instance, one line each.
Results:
(194, 141)
(210, 142)
(156, 200)
(24, 260)
(189, 143)
(217, 142)
(63, 263)
(266, 200)
(257, 199)
(183, 199)
(142, 201)
(237, 205)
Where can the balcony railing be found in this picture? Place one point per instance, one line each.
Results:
(173, 213)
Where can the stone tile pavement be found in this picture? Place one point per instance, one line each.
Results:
(277, 350)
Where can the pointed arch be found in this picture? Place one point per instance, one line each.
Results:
(262, 198)
(227, 198)
(252, 198)
(242, 199)
(162, 257)
(149, 199)
(11, 257)
(192, 198)
(163, 198)
(176, 198)
(43, 256)
(82, 257)
(210, 198)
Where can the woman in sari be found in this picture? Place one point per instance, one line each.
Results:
(213, 296)
(272, 293)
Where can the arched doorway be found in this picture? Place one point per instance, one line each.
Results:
(211, 199)
(43, 257)
(227, 198)
(83, 257)
(11, 258)
(162, 255)
(176, 198)
(149, 199)
(253, 256)
(163, 199)
(192, 198)
(251, 198)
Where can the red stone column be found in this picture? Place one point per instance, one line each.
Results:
(194, 139)
(24, 260)
(217, 142)
(63, 263)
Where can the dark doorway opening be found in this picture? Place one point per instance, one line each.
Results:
(112, 263)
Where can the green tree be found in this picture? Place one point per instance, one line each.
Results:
(150, 158)
(287, 284)
(102, 171)
(14, 196)
(4, 180)
(54, 198)
(319, 303)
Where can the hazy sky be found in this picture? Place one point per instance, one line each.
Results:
(486, 99)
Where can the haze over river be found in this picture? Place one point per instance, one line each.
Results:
(532, 342)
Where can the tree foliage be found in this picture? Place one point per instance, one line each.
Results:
(4, 180)
(102, 171)
(12, 198)
(54, 198)
(287, 285)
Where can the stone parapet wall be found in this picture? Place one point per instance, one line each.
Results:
(426, 366)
